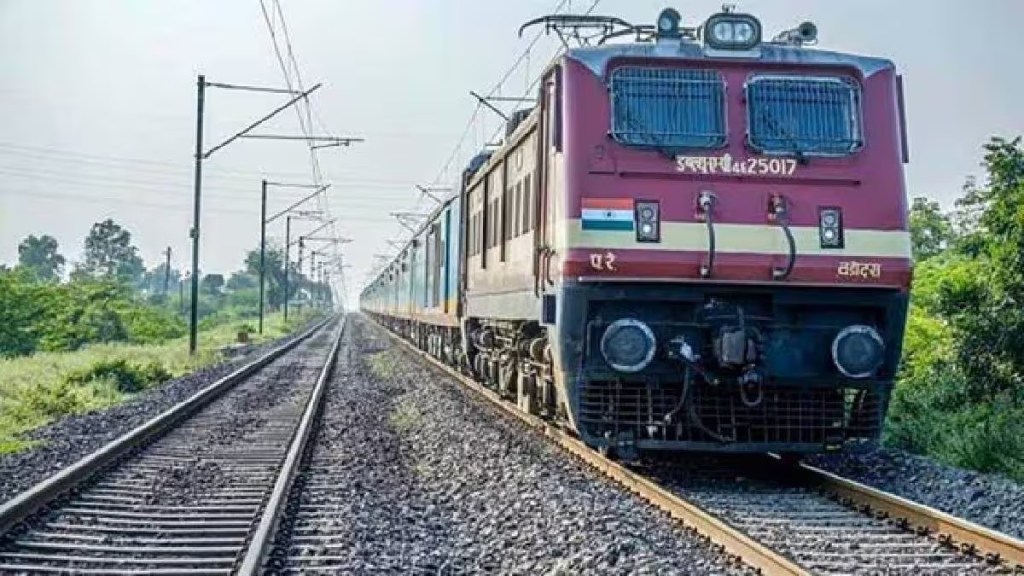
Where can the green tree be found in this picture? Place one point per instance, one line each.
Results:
(38, 255)
(153, 279)
(110, 254)
(274, 262)
(212, 284)
(243, 281)
(931, 231)
(991, 322)
(22, 303)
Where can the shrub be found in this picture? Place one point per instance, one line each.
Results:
(126, 376)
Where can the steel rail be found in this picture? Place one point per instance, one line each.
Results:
(24, 504)
(970, 538)
(738, 546)
(259, 545)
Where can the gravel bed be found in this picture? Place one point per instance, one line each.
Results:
(206, 477)
(990, 500)
(67, 440)
(819, 533)
(411, 473)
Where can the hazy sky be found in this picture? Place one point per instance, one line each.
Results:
(97, 103)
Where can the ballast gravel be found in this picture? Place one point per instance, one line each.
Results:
(411, 473)
(204, 478)
(67, 440)
(986, 499)
(821, 534)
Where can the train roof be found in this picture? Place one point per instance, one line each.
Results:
(596, 58)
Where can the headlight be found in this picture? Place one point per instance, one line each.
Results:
(858, 351)
(628, 345)
(728, 31)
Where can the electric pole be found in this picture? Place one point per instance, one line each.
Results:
(193, 323)
(298, 268)
(287, 243)
(201, 155)
(167, 273)
(263, 247)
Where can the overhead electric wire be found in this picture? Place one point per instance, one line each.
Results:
(472, 122)
(476, 110)
(184, 208)
(523, 57)
(396, 193)
(306, 126)
(158, 167)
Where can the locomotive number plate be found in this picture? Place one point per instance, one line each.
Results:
(726, 164)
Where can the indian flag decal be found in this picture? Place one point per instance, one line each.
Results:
(607, 214)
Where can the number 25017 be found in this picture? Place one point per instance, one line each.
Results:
(786, 166)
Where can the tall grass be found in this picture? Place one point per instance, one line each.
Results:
(37, 389)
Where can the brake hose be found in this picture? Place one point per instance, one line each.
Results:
(706, 204)
(780, 212)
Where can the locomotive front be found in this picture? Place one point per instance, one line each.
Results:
(729, 237)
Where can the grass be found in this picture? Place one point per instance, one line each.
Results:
(37, 389)
(405, 417)
(382, 364)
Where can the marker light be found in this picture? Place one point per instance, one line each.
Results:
(830, 228)
(730, 31)
(648, 220)
(668, 24)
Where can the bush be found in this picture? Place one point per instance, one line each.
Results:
(148, 325)
(126, 376)
(22, 302)
(37, 316)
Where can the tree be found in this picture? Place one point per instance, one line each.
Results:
(109, 254)
(212, 283)
(22, 302)
(274, 262)
(38, 255)
(153, 279)
(984, 304)
(931, 231)
(242, 281)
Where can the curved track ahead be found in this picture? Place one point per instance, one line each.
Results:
(185, 493)
(796, 520)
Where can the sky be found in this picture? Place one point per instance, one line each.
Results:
(98, 105)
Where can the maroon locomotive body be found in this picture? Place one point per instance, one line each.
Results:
(694, 241)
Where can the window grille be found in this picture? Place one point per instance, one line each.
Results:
(804, 115)
(668, 108)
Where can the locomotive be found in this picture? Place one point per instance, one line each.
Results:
(695, 240)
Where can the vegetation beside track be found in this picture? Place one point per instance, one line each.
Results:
(960, 396)
(110, 328)
(37, 389)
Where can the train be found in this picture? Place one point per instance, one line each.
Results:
(696, 239)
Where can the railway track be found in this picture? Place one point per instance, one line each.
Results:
(794, 520)
(188, 492)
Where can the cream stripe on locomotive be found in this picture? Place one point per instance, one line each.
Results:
(744, 238)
